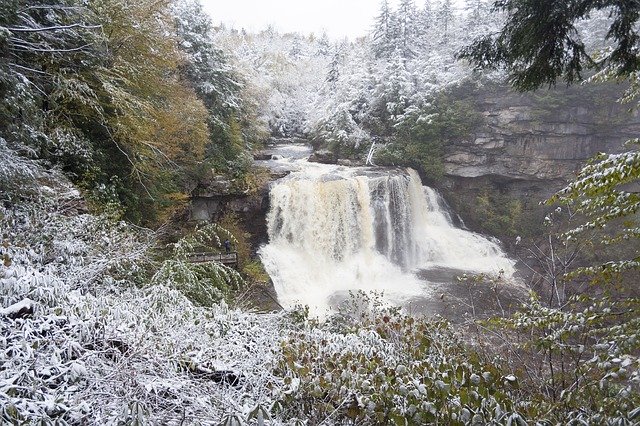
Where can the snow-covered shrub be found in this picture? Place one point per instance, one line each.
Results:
(579, 362)
(14, 169)
(380, 366)
(203, 283)
(89, 360)
(94, 347)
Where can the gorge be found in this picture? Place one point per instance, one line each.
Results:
(322, 242)
(383, 194)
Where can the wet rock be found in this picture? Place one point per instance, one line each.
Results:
(323, 156)
(215, 185)
(349, 163)
(225, 377)
(262, 156)
(213, 202)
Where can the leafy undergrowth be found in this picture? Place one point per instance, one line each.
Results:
(101, 346)
(89, 335)
(378, 366)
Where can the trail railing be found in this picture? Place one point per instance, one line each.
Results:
(229, 259)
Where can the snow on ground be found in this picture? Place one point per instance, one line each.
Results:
(99, 346)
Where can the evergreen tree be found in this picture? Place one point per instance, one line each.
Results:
(539, 45)
(408, 21)
(384, 32)
(478, 20)
(425, 22)
(296, 47)
(324, 45)
(44, 48)
(206, 67)
(334, 69)
(445, 18)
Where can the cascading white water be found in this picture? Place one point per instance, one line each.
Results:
(333, 230)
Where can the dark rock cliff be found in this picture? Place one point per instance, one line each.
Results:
(218, 197)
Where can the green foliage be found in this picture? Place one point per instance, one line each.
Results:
(101, 89)
(581, 355)
(254, 270)
(228, 153)
(500, 215)
(605, 195)
(207, 70)
(373, 365)
(419, 141)
(203, 283)
(382, 367)
(539, 44)
(579, 362)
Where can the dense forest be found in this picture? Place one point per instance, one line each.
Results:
(396, 88)
(114, 111)
(131, 101)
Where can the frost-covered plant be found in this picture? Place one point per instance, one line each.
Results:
(92, 360)
(605, 194)
(383, 367)
(47, 240)
(578, 362)
(15, 170)
(94, 348)
(205, 283)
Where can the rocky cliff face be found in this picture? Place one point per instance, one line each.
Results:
(529, 147)
(217, 197)
(547, 135)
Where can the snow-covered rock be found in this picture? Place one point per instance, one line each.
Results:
(23, 309)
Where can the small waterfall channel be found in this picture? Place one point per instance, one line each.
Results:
(336, 229)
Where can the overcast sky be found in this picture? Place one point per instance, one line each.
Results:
(339, 18)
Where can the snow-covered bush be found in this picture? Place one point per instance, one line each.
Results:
(204, 283)
(579, 362)
(83, 340)
(375, 365)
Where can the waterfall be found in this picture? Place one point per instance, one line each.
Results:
(333, 230)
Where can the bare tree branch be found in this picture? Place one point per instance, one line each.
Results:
(39, 50)
(53, 28)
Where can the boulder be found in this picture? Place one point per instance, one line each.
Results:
(262, 156)
(323, 156)
(215, 185)
(349, 163)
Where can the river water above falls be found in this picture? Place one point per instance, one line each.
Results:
(335, 229)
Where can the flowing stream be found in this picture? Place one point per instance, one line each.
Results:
(336, 229)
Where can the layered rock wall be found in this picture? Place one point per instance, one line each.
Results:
(546, 135)
(529, 147)
(218, 197)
